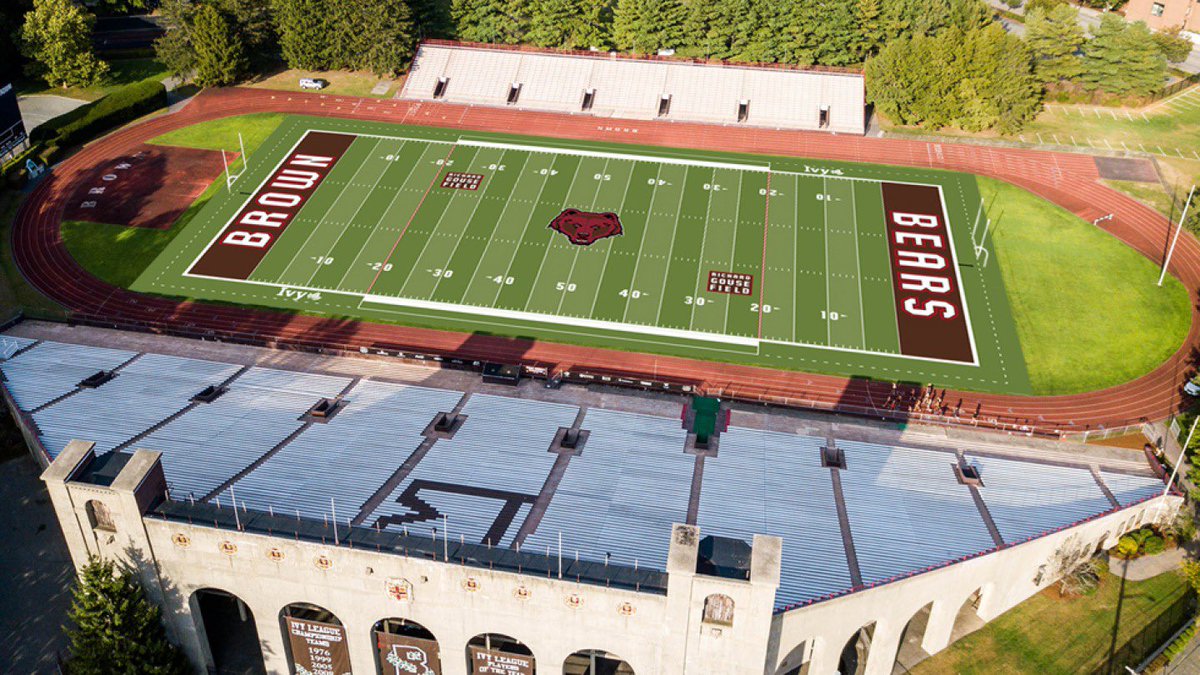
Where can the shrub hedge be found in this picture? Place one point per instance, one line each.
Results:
(84, 123)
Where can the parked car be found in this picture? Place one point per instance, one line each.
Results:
(1192, 388)
(313, 83)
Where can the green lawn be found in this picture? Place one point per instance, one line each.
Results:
(341, 82)
(118, 253)
(222, 134)
(1087, 309)
(1051, 635)
(122, 72)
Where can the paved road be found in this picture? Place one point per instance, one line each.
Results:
(37, 110)
(36, 572)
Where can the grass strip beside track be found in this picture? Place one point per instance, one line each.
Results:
(1051, 635)
(1086, 306)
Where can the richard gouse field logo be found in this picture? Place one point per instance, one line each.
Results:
(582, 228)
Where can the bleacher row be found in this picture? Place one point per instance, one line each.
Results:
(638, 88)
(617, 494)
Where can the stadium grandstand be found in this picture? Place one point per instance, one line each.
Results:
(547, 527)
(608, 85)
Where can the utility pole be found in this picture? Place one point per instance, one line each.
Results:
(1171, 250)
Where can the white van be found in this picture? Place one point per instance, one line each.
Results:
(313, 83)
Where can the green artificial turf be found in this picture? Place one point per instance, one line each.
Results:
(1087, 309)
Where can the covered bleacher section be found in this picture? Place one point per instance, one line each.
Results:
(611, 85)
(599, 480)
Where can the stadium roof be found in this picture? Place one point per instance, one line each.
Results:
(638, 88)
(504, 473)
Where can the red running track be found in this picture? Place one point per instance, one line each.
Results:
(1066, 179)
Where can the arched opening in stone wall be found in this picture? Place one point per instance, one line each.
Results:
(853, 659)
(227, 629)
(595, 662)
(911, 652)
(99, 517)
(968, 620)
(796, 662)
(314, 638)
(404, 646)
(497, 648)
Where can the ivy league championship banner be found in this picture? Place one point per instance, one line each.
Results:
(318, 648)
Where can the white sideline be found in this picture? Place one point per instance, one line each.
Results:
(614, 155)
(567, 320)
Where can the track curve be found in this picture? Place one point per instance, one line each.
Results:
(1069, 180)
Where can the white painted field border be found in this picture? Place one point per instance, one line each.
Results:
(962, 291)
(553, 320)
(617, 155)
(566, 320)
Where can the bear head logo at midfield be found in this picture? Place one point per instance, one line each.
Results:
(582, 228)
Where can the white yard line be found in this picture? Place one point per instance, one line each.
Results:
(403, 186)
(524, 232)
(550, 242)
(825, 234)
(562, 296)
(862, 320)
(737, 221)
(645, 230)
(436, 226)
(322, 219)
(703, 242)
(445, 266)
(662, 290)
(348, 223)
(611, 242)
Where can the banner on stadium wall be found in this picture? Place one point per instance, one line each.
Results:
(318, 648)
(404, 655)
(491, 662)
(12, 126)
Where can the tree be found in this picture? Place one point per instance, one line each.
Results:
(493, 21)
(11, 15)
(974, 80)
(570, 24)
(995, 87)
(56, 38)
(824, 32)
(1123, 59)
(116, 628)
(647, 26)
(1174, 46)
(220, 55)
(175, 48)
(712, 29)
(871, 31)
(383, 36)
(252, 22)
(431, 18)
(1054, 37)
(303, 32)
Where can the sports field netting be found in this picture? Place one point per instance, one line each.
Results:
(863, 269)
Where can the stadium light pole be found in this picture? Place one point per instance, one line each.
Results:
(1162, 275)
(1175, 470)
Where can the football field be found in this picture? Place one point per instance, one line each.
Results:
(803, 264)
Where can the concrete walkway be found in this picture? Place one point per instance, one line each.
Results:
(37, 110)
(1148, 566)
(36, 572)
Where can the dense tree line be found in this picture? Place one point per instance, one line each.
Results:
(927, 62)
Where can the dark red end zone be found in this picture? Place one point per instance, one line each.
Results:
(929, 307)
(244, 242)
